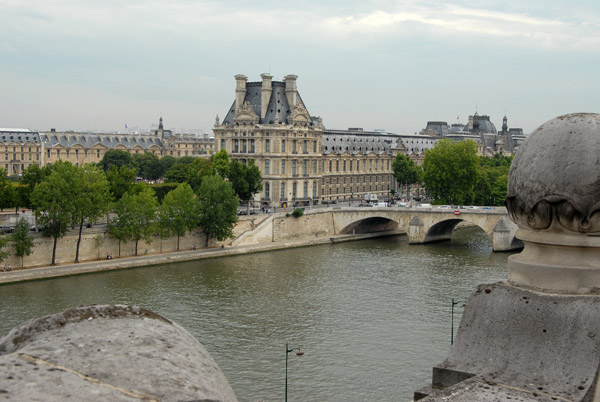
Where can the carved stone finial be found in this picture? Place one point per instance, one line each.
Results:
(217, 121)
(554, 198)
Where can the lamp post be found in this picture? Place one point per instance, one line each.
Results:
(454, 303)
(287, 351)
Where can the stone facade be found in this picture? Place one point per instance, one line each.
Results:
(300, 160)
(20, 148)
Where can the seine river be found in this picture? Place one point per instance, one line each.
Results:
(372, 317)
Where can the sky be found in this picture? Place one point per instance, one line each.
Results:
(100, 65)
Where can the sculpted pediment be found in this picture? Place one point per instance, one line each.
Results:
(246, 115)
(300, 115)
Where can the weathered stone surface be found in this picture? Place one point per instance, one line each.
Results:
(107, 353)
(554, 180)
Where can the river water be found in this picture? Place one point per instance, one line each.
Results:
(372, 317)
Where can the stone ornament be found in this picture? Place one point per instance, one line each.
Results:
(554, 180)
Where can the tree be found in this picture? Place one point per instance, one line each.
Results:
(7, 191)
(178, 173)
(93, 201)
(178, 211)
(405, 171)
(116, 158)
(98, 242)
(55, 198)
(217, 208)
(3, 242)
(120, 179)
(22, 242)
(148, 166)
(451, 171)
(220, 163)
(245, 180)
(136, 217)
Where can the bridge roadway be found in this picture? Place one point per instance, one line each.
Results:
(422, 225)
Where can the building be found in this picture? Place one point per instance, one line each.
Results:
(300, 160)
(22, 148)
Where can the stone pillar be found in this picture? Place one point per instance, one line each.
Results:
(290, 89)
(265, 94)
(240, 91)
(416, 231)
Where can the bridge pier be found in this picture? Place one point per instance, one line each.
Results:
(503, 236)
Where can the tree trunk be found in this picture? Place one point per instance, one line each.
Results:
(136, 244)
(206, 241)
(177, 242)
(119, 248)
(54, 252)
(78, 241)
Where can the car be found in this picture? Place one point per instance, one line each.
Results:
(365, 205)
(402, 205)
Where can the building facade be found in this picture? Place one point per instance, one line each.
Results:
(20, 148)
(300, 160)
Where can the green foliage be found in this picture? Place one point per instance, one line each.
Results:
(115, 157)
(22, 242)
(162, 189)
(220, 163)
(8, 194)
(3, 242)
(405, 171)
(136, 217)
(217, 208)
(120, 179)
(31, 176)
(298, 212)
(179, 173)
(148, 166)
(93, 200)
(245, 179)
(178, 212)
(55, 198)
(451, 171)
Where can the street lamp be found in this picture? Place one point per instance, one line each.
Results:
(454, 303)
(287, 351)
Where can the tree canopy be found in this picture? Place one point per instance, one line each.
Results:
(116, 158)
(178, 212)
(217, 208)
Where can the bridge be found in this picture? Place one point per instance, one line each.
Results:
(422, 225)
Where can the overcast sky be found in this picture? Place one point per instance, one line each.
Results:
(394, 65)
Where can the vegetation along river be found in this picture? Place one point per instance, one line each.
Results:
(372, 317)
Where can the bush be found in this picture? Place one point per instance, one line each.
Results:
(298, 212)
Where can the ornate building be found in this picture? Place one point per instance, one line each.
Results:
(301, 161)
(21, 148)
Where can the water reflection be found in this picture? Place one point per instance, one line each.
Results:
(372, 317)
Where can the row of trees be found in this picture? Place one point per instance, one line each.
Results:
(454, 174)
(205, 195)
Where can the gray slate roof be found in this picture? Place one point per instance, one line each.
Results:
(108, 140)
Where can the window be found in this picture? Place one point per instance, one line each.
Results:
(344, 165)
(304, 167)
(98, 154)
(267, 190)
(351, 164)
(252, 146)
(330, 162)
(315, 166)
(222, 143)
(337, 165)
(294, 190)
(314, 195)
(314, 146)
(283, 166)
(244, 146)
(267, 167)
(294, 147)
(282, 191)
(305, 189)
(267, 145)
(236, 145)
(57, 153)
(282, 145)
(294, 167)
(305, 147)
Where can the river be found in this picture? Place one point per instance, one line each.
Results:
(372, 317)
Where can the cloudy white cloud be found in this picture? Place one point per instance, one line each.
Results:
(168, 57)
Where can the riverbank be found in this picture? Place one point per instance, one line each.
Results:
(31, 274)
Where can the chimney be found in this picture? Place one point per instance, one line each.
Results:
(290, 89)
(265, 94)
(240, 91)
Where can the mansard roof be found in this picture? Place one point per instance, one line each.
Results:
(18, 135)
(278, 109)
(373, 142)
(109, 141)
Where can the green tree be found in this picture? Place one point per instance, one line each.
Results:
(166, 162)
(32, 176)
(405, 172)
(136, 217)
(178, 173)
(178, 212)
(116, 158)
(217, 208)
(451, 171)
(93, 201)
(22, 242)
(148, 166)
(7, 191)
(246, 180)
(220, 163)
(3, 242)
(120, 179)
(55, 198)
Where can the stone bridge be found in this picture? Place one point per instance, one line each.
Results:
(422, 225)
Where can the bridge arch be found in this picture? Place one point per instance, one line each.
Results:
(442, 230)
(370, 225)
